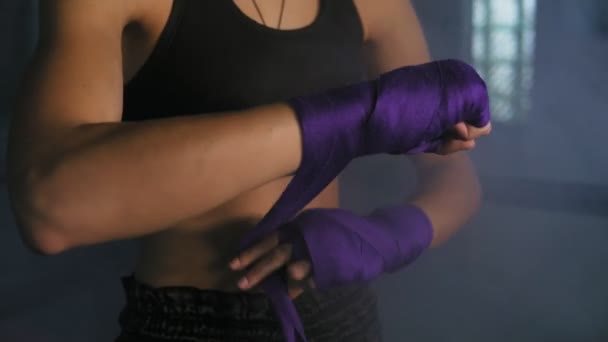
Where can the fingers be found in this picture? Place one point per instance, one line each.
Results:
(295, 289)
(269, 263)
(475, 132)
(470, 132)
(299, 278)
(462, 130)
(268, 256)
(452, 146)
(299, 270)
(463, 138)
(253, 253)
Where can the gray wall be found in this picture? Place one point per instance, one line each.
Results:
(530, 267)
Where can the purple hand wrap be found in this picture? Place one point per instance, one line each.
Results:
(345, 248)
(404, 111)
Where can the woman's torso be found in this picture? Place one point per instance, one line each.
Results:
(175, 65)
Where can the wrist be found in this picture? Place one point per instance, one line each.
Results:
(288, 137)
(410, 225)
(336, 119)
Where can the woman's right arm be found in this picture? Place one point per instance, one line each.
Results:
(80, 176)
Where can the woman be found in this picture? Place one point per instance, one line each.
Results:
(166, 121)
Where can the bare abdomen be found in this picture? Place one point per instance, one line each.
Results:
(196, 252)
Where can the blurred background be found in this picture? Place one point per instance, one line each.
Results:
(531, 266)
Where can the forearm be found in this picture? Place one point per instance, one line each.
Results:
(450, 194)
(138, 178)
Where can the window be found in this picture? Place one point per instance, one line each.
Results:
(502, 50)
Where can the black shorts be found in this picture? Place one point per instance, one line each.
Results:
(184, 313)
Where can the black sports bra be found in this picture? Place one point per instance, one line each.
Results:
(211, 57)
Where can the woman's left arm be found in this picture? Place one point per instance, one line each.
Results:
(448, 190)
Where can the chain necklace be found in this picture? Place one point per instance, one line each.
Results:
(257, 8)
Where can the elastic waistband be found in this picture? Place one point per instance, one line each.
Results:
(186, 300)
(184, 312)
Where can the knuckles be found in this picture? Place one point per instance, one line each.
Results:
(281, 253)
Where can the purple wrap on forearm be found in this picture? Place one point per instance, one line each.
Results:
(404, 111)
(346, 248)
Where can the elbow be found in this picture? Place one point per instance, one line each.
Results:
(37, 216)
(43, 242)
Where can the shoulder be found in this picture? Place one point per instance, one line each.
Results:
(393, 34)
(60, 16)
(59, 13)
(381, 17)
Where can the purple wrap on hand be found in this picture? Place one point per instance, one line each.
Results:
(405, 111)
(346, 248)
